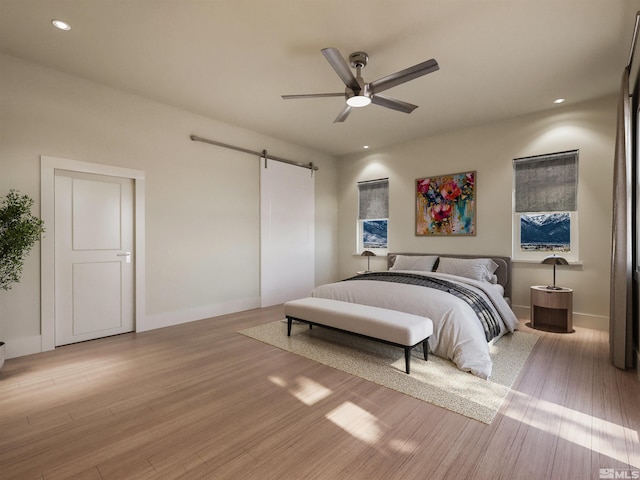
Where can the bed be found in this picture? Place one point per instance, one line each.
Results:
(466, 297)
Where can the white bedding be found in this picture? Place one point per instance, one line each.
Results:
(457, 333)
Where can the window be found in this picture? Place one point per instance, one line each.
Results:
(545, 206)
(373, 215)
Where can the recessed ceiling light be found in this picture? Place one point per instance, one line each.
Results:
(61, 25)
(559, 100)
(365, 146)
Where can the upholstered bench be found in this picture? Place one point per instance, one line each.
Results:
(388, 326)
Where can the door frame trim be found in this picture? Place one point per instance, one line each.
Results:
(48, 167)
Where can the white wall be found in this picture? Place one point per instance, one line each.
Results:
(202, 201)
(490, 149)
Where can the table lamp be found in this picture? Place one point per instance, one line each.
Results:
(554, 260)
(368, 254)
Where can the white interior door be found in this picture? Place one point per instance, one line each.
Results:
(94, 273)
(287, 252)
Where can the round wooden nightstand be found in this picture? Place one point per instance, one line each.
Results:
(552, 309)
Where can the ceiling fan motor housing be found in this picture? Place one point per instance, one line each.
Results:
(358, 59)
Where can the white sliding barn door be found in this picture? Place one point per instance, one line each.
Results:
(286, 232)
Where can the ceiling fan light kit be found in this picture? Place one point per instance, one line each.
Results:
(358, 101)
(360, 94)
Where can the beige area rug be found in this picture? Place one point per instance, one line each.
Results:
(436, 381)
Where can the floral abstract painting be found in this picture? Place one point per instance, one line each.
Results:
(445, 205)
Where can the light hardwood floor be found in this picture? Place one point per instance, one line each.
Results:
(200, 401)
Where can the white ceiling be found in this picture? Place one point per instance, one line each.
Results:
(232, 59)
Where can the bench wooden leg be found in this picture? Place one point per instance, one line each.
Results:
(289, 322)
(407, 359)
(425, 349)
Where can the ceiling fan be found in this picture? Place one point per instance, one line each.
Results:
(358, 93)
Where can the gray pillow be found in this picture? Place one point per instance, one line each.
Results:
(475, 268)
(414, 262)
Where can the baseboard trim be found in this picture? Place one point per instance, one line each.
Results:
(168, 319)
(19, 347)
(580, 320)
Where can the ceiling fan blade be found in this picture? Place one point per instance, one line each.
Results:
(312, 95)
(393, 103)
(337, 61)
(342, 116)
(403, 76)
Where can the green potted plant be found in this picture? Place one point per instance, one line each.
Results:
(19, 231)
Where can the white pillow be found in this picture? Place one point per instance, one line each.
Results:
(475, 268)
(414, 262)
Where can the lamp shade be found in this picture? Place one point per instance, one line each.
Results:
(554, 260)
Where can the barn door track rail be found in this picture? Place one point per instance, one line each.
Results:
(262, 154)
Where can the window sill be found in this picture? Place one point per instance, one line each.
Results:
(536, 261)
